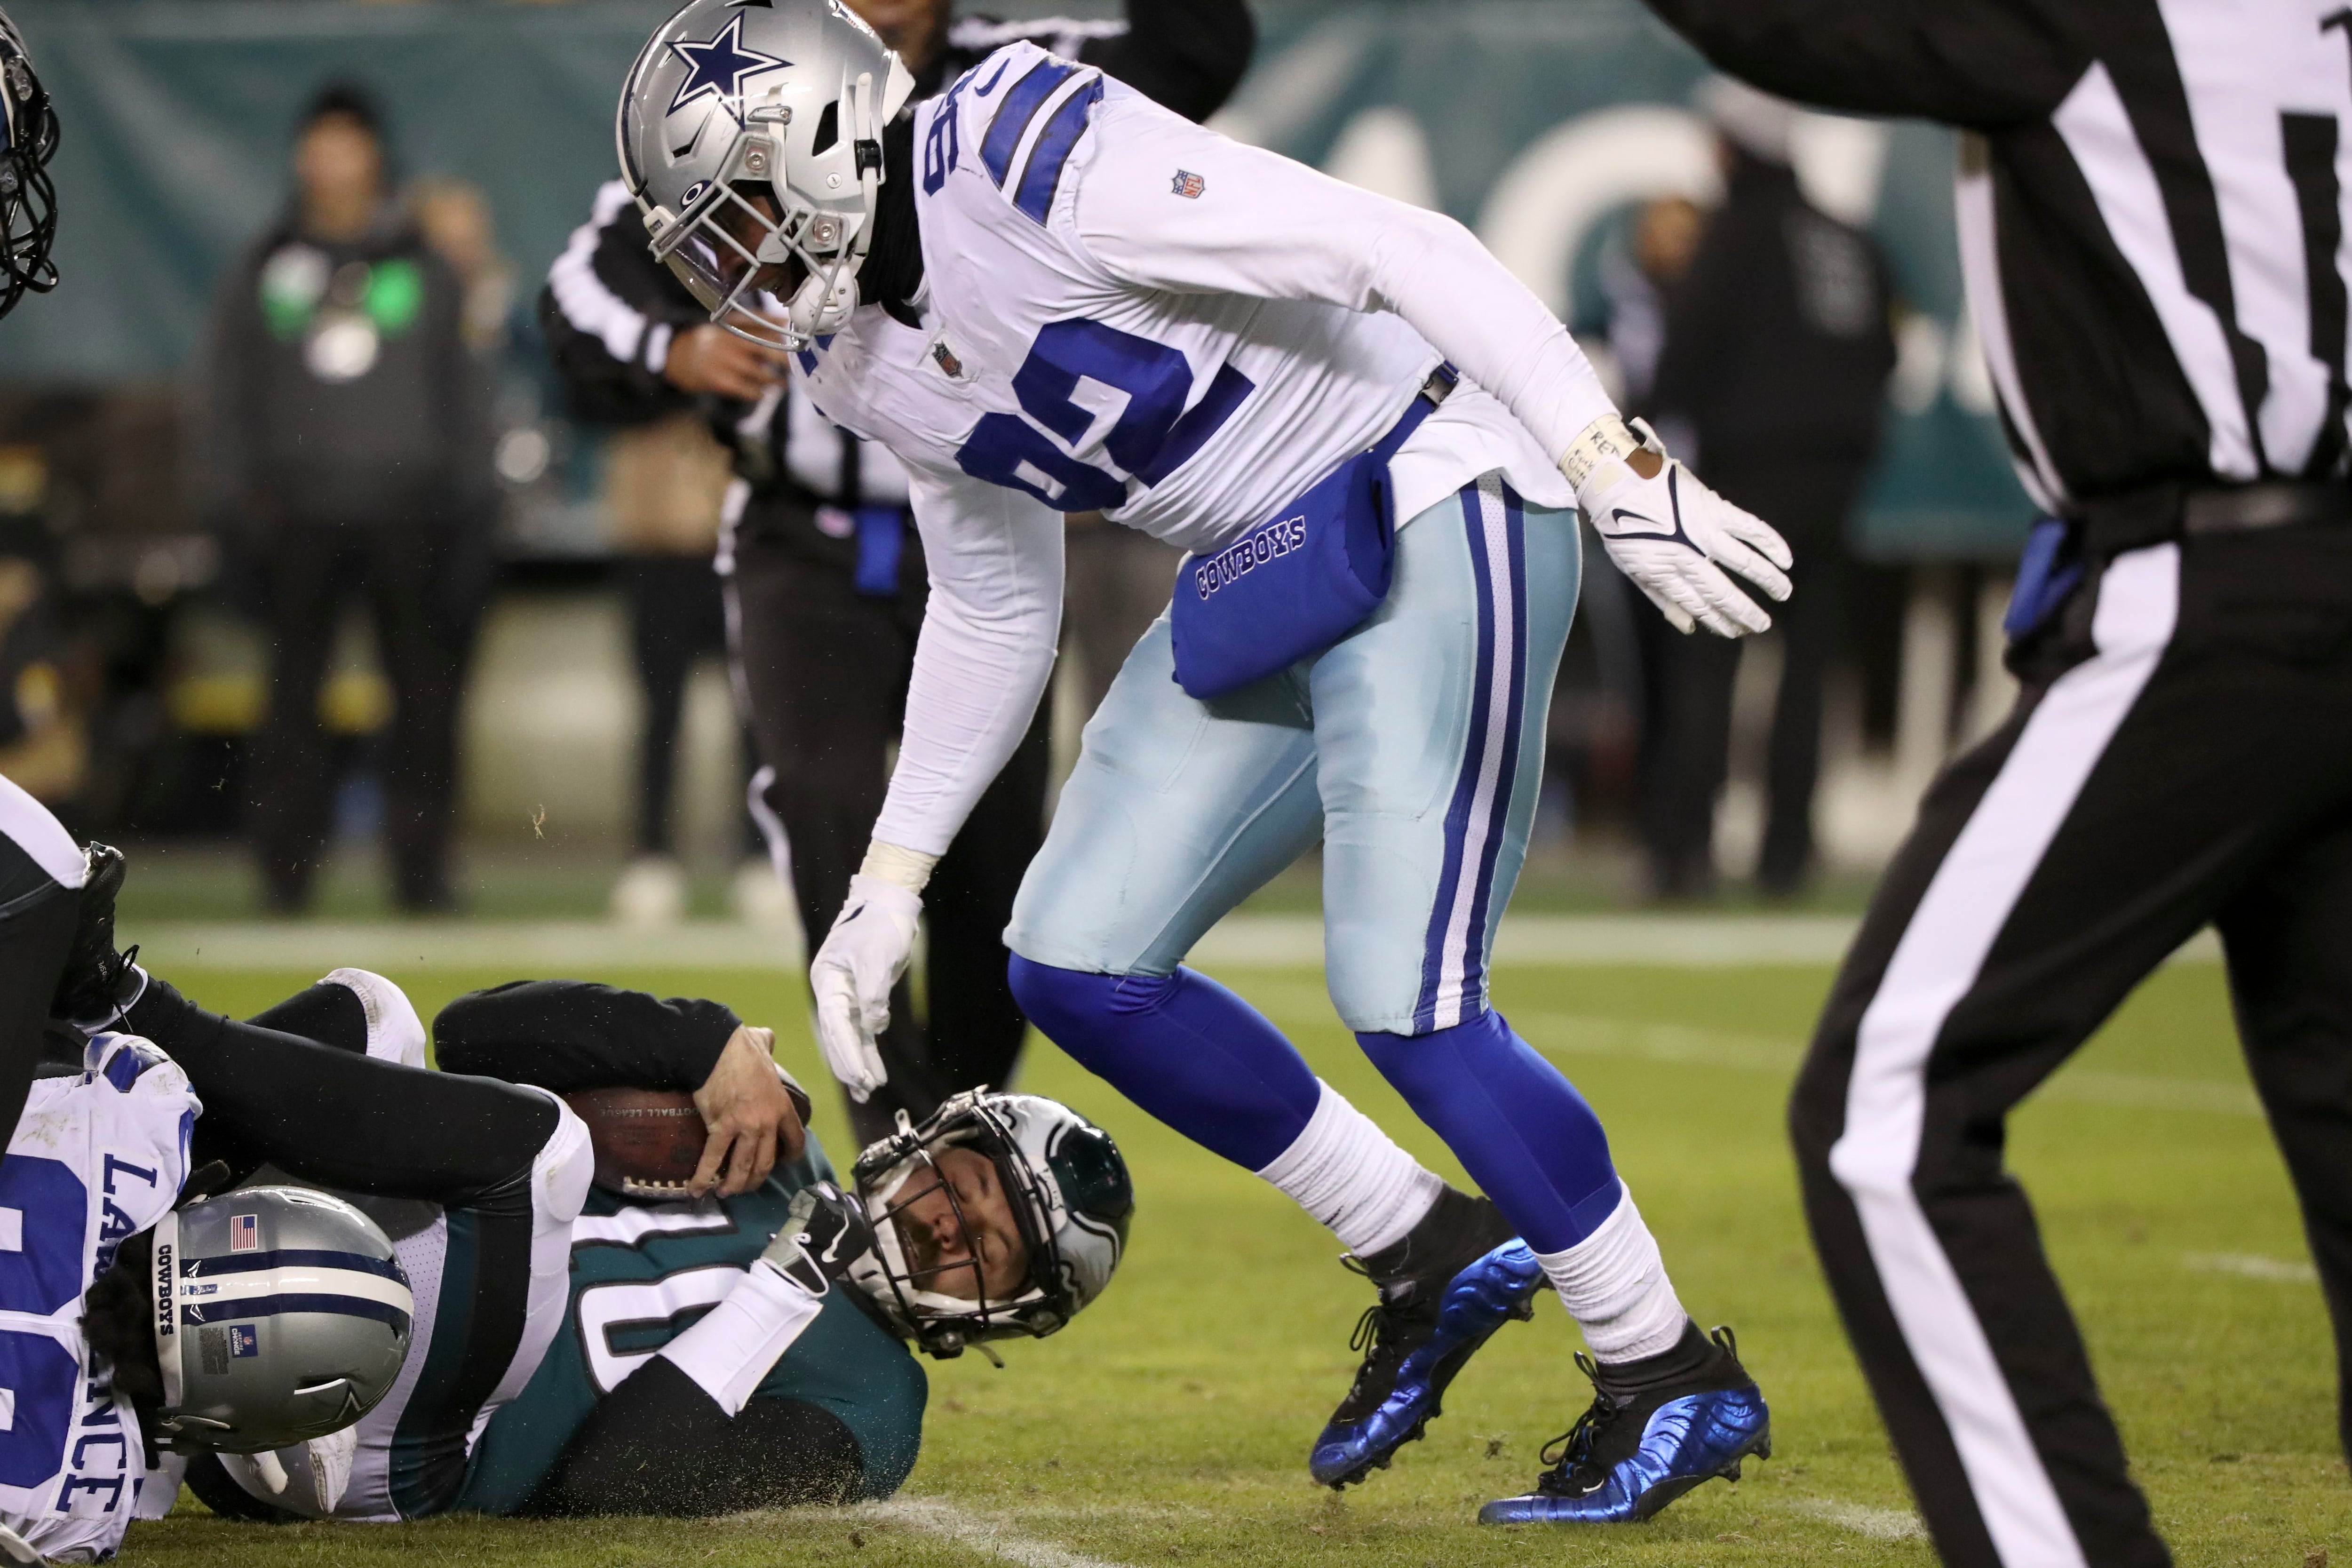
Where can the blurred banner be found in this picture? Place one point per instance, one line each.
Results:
(1539, 122)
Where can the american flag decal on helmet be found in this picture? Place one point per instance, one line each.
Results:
(244, 1232)
(1188, 184)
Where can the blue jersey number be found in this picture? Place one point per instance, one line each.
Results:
(44, 1215)
(1154, 433)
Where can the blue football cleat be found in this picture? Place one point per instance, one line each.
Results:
(1642, 1446)
(1423, 1329)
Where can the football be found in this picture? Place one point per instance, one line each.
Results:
(648, 1142)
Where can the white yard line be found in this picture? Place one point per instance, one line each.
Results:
(2250, 1266)
(1249, 942)
(1877, 1523)
(981, 1532)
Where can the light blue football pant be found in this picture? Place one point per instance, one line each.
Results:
(1414, 748)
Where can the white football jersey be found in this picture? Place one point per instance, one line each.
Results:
(1125, 312)
(95, 1159)
(1127, 384)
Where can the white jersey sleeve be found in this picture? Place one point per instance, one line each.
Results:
(984, 655)
(95, 1159)
(1258, 224)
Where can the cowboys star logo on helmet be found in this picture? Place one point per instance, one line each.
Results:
(752, 140)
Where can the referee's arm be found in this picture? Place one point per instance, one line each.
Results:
(1184, 55)
(1980, 64)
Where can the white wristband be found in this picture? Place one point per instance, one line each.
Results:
(901, 868)
(1607, 439)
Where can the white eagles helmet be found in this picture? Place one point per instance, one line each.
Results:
(786, 99)
(29, 201)
(1071, 1197)
(281, 1314)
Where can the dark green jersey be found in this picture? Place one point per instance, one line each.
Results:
(641, 1273)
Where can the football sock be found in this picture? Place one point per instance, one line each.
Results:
(1184, 1049)
(736, 1343)
(1614, 1284)
(1516, 1124)
(1350, 1175)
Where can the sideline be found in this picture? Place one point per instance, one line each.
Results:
(1245, 941)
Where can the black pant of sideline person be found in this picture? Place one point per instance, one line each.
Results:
(1688, 751)
(2176, 757)
(422, 580)
(826, 670)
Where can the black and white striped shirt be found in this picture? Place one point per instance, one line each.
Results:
(2152, 214)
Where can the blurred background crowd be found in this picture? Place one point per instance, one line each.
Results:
(318, 578)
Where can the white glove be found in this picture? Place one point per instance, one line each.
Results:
(1671, 534)
(309, 1478)
(862, 958)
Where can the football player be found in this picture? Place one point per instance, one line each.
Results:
(693, 1357)
(1045, 294)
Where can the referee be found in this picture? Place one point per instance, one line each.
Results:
(825, 575)
(2152, 230)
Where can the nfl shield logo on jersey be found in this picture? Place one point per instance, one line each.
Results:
(1188, 184)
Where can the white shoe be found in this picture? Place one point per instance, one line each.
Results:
(395, 1034)
(651, 892)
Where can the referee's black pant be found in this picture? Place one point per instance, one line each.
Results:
(2178, 757)
(823, 671)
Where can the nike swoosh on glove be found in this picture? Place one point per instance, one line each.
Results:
(1675, 537)
(862, 958)
(825, 1231)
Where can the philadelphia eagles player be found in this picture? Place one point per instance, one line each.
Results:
(739, 1352)
(1045, 294)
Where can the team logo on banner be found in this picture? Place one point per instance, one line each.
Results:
(1188, 184)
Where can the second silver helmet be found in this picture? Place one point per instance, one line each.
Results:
(281, 1314)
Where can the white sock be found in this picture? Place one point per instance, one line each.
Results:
(1348, 1174)
(1614, 1284)
(739, 1340)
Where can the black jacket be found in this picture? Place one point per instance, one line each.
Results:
(609, 309)
(1778, 344)
(336, 386)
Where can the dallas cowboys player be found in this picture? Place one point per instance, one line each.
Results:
(1370, 436)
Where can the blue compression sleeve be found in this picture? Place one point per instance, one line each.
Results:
(1514, 1120)
(1184, 1049)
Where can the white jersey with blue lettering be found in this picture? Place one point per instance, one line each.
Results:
(96, 1158)
(1126, 312)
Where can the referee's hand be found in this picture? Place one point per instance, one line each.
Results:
(709, 358)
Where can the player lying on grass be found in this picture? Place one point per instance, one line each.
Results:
(747, 1351)
(1045, 295)
(111, 1130)
(564, 1370)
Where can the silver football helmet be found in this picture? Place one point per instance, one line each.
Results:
(727, 103)
(29, 201)
(1070, 1198)
(281, 1314)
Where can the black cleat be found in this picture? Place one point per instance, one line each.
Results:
(1656, 1428)
(93, 991)
(1444, 1290)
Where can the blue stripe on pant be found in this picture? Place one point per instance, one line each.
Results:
(1415, 745)
(1413, 748)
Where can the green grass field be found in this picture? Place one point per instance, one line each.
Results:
(1172, 1422)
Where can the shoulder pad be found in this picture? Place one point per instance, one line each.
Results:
(1027, 111)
